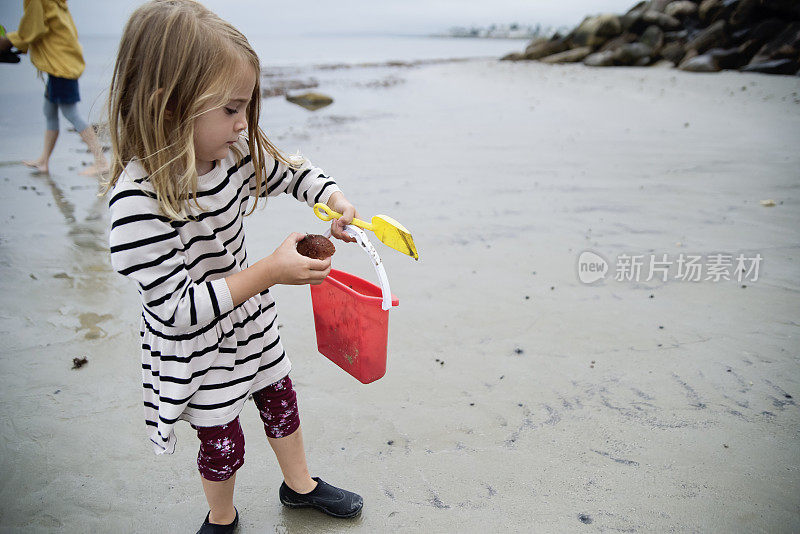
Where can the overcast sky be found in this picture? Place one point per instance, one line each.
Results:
(257, 17)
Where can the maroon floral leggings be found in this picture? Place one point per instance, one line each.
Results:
(222, 447)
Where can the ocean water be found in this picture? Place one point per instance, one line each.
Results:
(364, 61)
(352, 49)
(309, 51)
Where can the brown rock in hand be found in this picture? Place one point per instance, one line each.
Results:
(316, 246)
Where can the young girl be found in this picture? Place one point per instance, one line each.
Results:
(188, 155)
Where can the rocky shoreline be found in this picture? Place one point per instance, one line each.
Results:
(693, 35)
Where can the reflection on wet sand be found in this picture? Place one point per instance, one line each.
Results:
(66, 207)
(89, 322)
(89, 234)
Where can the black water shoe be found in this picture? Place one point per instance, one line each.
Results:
(326, 498)
(213, 528)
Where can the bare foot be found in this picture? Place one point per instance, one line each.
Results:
(95, 170)
(38, 166)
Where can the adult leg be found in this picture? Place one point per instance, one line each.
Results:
(221, 454)
(50, 136)
(100, 166)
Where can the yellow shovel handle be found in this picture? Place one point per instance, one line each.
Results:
(326, 214)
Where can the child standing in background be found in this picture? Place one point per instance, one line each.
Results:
(188, 156)
(48, 32)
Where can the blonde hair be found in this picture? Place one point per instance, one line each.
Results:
(176, 59)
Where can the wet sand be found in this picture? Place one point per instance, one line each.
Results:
(516, 399)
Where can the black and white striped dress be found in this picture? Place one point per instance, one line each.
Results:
(201, 356)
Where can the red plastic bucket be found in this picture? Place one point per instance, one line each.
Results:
(352, 326)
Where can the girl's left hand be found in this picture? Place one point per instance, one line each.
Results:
(340, 204)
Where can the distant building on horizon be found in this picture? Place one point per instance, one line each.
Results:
(503, 31)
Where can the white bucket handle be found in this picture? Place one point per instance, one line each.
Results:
(361, 238)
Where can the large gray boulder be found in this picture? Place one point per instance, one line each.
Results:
(632, 20)
(535, 43)
(673, 51)
(717, 10)
(689, 54)
(632, 54)
(768, 29)
(616, 42)
(569, 56)
(600, 59)
(594, 31)
(681, 9)
(727, 58)
(678, 35)
(663, 64)
(703, 63)
(709, 10)
(540, 49)
(715, 36)
(786, 45)
(776, 66)
(654, 38)
(743, 12)
(748, 50)
(661, 19)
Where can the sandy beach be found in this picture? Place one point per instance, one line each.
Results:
(517, 399)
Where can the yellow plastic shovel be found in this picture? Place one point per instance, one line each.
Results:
(389, 231)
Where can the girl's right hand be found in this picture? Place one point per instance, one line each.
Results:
(287, 266)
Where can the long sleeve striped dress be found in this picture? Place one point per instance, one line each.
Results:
(201, 356)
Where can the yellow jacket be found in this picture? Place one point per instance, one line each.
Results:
(47, 29)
